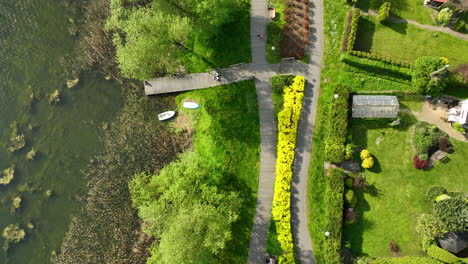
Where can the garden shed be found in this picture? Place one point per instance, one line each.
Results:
(375, 106)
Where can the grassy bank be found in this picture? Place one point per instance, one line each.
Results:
(226, 133)
(408, 42)
(388, 209)
(408, 9)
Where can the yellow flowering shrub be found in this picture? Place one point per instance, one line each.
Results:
(288, 120)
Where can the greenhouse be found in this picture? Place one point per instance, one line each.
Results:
(375, 106)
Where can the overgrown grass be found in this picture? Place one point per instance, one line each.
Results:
(408, 9)
(229, 45)
(389, 207)
(226, 132)
(407, 42)
(275, 33)
(278, 83)
(411, 102)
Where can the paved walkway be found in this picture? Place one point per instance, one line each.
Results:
(423, 26)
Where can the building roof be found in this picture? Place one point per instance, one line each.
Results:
(454, 241)
(440, 1)
(375, 100)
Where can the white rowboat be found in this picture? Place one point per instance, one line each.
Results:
(190, 105)
(166, 115)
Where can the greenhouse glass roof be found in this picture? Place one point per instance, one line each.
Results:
(375, 106)
(375, 100)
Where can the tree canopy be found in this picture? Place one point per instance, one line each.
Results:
(186, 210)
(422, 78)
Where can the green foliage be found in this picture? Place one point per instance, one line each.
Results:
(429, 227)
(365, 154)
(17, 140)
(423, 67)
(337, 125)
(425, 137)
(278, 83)
(384, 12)
(356, 14)
(444, 16)
(405, 260)
(458, 127)
(7, 176)
(348, 151)
(274, 37)
(442, 197)
(186, 210)
(453, 213)
(334, 215)
(54, 98)
(288, 120)
(423, 157)
(31, 154)
(12, 234)
(435, 191)
(349, 183)
(350, 198)
(441, 255)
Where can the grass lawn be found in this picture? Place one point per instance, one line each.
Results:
(274, 33)
(407, 42)
(278, 83)
(389, 208)
(226, 132)
(229, 45)
(408, 9)
(411, 102)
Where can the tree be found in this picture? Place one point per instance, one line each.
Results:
(453, 213)
(422, 74)
(185, 209)
(444, 16)
(384, 12)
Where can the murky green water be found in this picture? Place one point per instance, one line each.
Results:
(34, 39)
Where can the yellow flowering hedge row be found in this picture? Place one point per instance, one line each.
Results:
(288, 120)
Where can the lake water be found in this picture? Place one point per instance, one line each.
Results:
(34, 39)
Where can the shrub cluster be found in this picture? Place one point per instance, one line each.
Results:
(334, 215)
(441, 255)
(367, 160)
(296, 30)
(353, 29)
(344, 44)
(405, 260)
(425, 138)
(444, 16)
(337, 125)
(389, 60)
(288, 120)
(384, 12)
(423, 80)
(420, 164)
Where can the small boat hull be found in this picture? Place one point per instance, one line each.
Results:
(166, 115)
(190, 105)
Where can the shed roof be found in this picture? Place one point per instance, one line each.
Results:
(376, 100)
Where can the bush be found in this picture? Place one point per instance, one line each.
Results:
(405, 260)
(7, 175)
(360, 182)
(422, 143)
(423, 67)
(393, 247)
(423, 157)
(384, 12)
(435, 191)
(337, 125)
(365, 154)
(445, 145)
(444, 16)
(458, 127)
(288, 120)
(334, 215)
(441, 255)
(350, 198)
(376, 57)
(429, 227)
(453, 213)
(348, 151)
(353, 29)
(349, 183)
(367, 163)
(420, 164)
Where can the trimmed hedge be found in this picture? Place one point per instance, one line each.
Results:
(337, 125)
(354, 27)
(442, 255)
(384, 12)
(389, 60)
(405, 260)
(288, 120)
(334, 215)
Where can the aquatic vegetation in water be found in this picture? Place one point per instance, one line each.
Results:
(17, 140)
(49, 193)
(55, 97)
(12, 234)
(30, 225)
(16, 203)
(7, 175)
(31, 154)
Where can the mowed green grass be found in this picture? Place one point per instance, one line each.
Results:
(407, 42)
(408, 9)
(230, 44)
(226, 132)
(389, 208)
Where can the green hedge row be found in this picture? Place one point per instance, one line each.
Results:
(377, 68)
(364, 82)
(354, 27)
(442, 255)
(405, 260)
(337, 125)
(334, 215)
(377, 57)
(288, 120)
